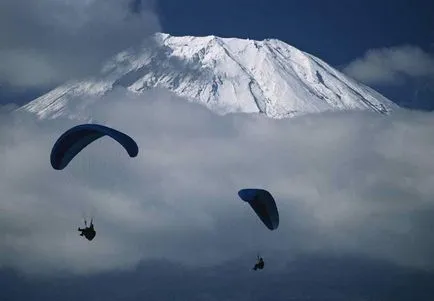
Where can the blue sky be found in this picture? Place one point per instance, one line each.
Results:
(336, 31)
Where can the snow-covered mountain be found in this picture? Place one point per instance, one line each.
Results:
(225, 74)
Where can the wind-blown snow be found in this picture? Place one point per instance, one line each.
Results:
(225, 74)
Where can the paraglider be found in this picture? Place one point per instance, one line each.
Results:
(77, 138)
(88, 232)
(260, 264)
(263, 204)
(74, 140)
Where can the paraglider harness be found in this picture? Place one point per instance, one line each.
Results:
(88, 232)
(259, 264)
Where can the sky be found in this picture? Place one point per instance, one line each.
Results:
(354, 189)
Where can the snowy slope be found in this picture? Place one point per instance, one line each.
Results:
(225, 74)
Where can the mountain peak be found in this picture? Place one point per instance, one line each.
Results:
(225, 74)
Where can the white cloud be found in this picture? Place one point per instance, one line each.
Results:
(347, 183)
(391, 65)
(46, 42)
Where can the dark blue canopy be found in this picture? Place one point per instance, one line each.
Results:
(263, 204)
(75, 139)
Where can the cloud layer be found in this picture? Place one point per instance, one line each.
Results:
(46, 42)
(392, 65)
(315, 278)
(345, 183)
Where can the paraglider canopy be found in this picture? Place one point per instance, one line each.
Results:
(263, 204)
(77, 138)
